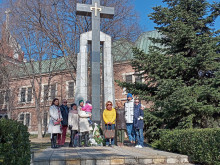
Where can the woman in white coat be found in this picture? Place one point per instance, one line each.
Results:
(54, 126)
(83, 124)
(73, 122)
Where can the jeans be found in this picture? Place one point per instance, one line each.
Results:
(109, 127)
(140, 137)
(130, 131)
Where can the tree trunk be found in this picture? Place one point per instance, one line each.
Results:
(39, 121)
(9, 114)
(39, 128)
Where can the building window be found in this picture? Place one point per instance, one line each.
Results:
(70, 89)
(23, 93)
(21, 117)
(138, 79)
(29, 94)
(24, 118)
(26, 94)
(128, 78)
(53, 91)
(27, 122)
(49, 92)
(45, 119)
(131, 78)
(46, 92)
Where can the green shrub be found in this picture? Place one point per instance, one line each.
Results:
(14, 143)
(201, 145)
(151, 125)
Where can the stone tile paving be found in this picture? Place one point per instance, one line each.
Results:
(106, 156)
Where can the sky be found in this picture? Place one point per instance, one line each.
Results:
(144, 8)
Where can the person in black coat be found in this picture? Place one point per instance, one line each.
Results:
(64, 111)
(120, 123)
(138, 123)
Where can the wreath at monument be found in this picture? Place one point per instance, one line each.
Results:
(97, 138)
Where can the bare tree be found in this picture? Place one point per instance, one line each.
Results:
(59, 22)
(47, 29)
(42, 59)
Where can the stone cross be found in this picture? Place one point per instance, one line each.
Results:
(96, 12)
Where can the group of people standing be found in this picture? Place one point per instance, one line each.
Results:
(78, 119)
(127, 119)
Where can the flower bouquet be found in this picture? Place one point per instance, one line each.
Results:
(97, 138)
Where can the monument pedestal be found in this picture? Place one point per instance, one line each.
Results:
(107, 156)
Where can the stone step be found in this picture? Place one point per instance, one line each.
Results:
(173, 164)
(107, 156)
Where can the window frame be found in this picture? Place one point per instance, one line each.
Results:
(29, 94)
(134, 75)
(26, 95)
(67, 89)
(24, 121)
(4, 93)
(23, 95)
(49, 92)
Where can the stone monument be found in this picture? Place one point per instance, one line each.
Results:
(95, 36)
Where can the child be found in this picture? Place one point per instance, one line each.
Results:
(88, 109)
(73, 123)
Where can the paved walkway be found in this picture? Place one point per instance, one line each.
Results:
(106, 156)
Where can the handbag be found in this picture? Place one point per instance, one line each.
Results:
(56, 123)
(109, 134)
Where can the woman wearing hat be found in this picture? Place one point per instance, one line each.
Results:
(83, 124)
(129, 115)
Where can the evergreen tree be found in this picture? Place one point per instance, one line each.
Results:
(181, 78)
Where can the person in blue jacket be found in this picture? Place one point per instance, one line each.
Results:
(138, 122)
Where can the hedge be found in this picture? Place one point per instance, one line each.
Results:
(201, 145)
(14, 143)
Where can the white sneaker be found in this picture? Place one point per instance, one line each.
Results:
(140, 146)
(137, 146)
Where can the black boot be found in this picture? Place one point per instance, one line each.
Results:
(71, 139)
(74, 134)
(51, 142)
(87, 139)
(55, 141)
(80, 140)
